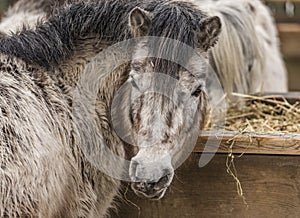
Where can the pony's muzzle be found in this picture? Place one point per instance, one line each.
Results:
(150, 180)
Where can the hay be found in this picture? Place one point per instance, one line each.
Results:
(232, 171)
(130, 202)
(246, 113)
(263, 114)
(269, 114)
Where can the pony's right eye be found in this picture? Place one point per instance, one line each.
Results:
(133, 83)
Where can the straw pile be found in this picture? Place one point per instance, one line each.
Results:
(267, 114)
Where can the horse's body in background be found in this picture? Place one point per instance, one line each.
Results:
(247, 58)
(274, 73)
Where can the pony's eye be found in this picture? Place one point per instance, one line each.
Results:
(133, 83)
(198, 91)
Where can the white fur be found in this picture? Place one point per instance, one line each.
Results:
(16, 21)
(268, 73)
(274, 75)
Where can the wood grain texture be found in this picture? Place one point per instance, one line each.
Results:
(289, 35)
(250, 143)
(271, 186)
(281, 1)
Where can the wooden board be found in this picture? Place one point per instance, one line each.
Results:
(251, 143)
(293, 66)
(281, 1)
(271, 186)
(289, 36)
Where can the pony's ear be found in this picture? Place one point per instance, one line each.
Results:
(210, 29)
(139, 21)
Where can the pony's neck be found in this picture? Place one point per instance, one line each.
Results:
(54, 42)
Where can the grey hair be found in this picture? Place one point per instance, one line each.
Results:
(247, 58)
(238, 49)
(43, 171)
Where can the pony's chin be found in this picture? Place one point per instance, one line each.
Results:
(156, 196)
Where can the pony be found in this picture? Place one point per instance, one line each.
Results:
(44, 171)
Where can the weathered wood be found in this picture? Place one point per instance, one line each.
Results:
(293, 66)
(271, 186)
(281, 1)
(289, 36)
(251, 143)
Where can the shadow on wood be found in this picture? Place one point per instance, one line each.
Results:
(271, 186)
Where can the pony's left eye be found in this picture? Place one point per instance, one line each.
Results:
(198, 91)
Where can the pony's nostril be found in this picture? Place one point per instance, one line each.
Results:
(150, 185)
(163, 181)
(141, 186)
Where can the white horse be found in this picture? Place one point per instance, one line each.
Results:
(247, 58)
(274, 71)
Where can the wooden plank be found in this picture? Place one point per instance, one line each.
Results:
(289, 36)
(271, 186)
(281, 1)
(293, 66)
(251, 143)
(288, 27)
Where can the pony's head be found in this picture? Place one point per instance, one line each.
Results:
(168, 100)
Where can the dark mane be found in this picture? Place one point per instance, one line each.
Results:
(54, 41)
